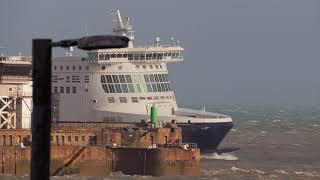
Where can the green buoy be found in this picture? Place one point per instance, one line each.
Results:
(154, 114)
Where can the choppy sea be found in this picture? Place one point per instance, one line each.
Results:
(275, 143)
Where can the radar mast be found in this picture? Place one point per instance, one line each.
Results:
(121, 27)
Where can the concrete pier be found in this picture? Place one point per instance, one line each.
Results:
(80, 160)
(77, 148)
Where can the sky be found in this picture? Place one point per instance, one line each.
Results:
(237, 52)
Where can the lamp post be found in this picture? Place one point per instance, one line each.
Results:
(41, 94)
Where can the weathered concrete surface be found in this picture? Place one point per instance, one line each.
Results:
(99, 161)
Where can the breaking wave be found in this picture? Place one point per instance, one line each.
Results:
(222, 156)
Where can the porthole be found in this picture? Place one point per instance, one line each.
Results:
(103, 67)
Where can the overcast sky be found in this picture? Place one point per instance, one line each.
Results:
(255, 52)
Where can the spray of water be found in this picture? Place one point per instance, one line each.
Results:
(222, 156)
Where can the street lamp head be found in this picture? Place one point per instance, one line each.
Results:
(95, 42)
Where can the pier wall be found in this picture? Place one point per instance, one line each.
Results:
(99, 161)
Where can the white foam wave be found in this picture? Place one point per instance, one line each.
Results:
(307, 174)
(222, 156)
(252, 121)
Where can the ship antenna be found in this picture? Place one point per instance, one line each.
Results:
(122, 28)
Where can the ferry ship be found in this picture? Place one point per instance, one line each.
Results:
(121, 85)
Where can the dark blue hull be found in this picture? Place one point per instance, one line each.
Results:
(207, 135)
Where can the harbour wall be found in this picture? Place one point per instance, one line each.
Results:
(99, 161)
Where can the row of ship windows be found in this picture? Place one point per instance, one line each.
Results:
(138, 67)
(136, 99)
(68, 79)
(135, 83)
(62, 89)
(136, 88)
(137, 56)
(139, 78)
(74, 68)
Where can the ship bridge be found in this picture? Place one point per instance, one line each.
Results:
(139, 54)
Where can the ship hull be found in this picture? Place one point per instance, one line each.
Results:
(207, 135)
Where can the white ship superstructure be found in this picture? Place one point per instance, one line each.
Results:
(121, 85)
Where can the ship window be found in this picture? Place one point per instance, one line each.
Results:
(149, 98)
(107, 57)
(113, 55)
(86, 79)
(69, 138)
(146, 78)
(131, 89)
(68, 68)
(160, 77)
(61, 67)
(109, 79)
(128, 78)
(137, 66)
(124, 88)
(151, 78)
(103, 67)
(156, 97)
(73, 68)
(123, 99)
(55, 89)
(83, 138)
(159, 87)
(55, 67)
(67, 89)
(151, 67)
(144, 66)
(74, 89)
(105, 88)
(119, 55)
(160, 66)
(79, 67)
(118, 88)
(125, 55)
(87, 67)
(142, 98)
(101, 56)
(157, 67)
(136, 56)
(142, 56)
(165, 87)
(103, 79)
(154, 87)
(156, 77)
(76, 138)
(115, 78)
(149, 87)
(111, 100)
(130, 56)
(154, 55)
(148, 56)
(111, 88)
(61, 89)
(122, 79)
(134, 99)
